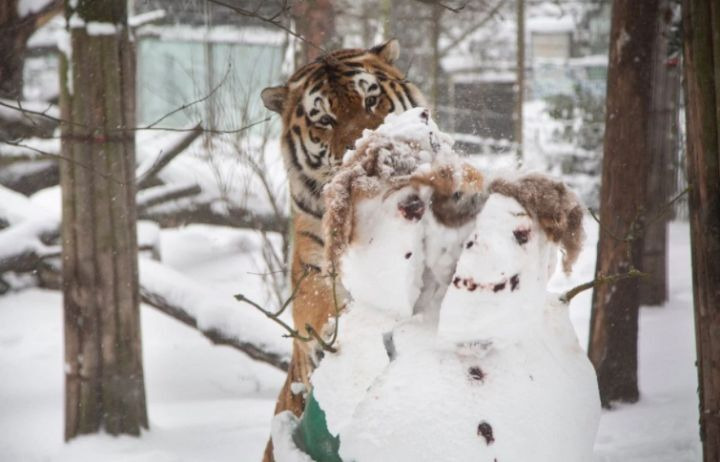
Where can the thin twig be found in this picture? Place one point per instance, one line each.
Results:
(271, 20)
(603, 228)
(491, 14)
(61, 157)
(192, 103)
(601, 280)
(275, 316)
(132, 129)
(667, 207)
(294, 333)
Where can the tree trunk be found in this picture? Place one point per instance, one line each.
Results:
(14, 34)
(520, 77)
(626, 161)
(663, 145)
(315, 22)
(103, 373)
(701, 24)
(435, 29)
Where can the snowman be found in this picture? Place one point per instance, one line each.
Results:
(503, 379)
(401, 183)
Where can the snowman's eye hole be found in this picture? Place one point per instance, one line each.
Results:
(412, 207)
(521, 235)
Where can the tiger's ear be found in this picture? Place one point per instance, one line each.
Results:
(274, 98)
(388, 51)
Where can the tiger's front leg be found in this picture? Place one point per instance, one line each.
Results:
(313, 304)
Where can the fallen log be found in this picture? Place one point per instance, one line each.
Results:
(28, 177)
(222, 322)
(215, 336)
(190, 212)
(219, 318)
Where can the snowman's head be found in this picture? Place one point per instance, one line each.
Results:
(501, 277)
(383, 263)
(374, 221)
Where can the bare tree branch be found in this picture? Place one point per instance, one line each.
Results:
(165, 193)
(133, 129)
(145, 175)
(601, 280)
(465, 34)
(273, 20)
(325, 345)
(191, 103)
(204, 212)
(456, 9)
(60, 156)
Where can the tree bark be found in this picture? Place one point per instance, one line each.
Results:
(626, 161)
(104, 384)
(663, 145)
(520, 77)
(315, 22)
(435, 29)
(701, 24)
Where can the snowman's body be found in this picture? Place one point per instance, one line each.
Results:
(534, 400)
(504, 381)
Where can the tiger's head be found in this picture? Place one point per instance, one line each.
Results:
(326, 105)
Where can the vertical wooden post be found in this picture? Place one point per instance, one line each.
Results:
(626, 161)
(520, 77)
(663, 145)
(701, 25)
(435, 27)
(103, 355)
(315, 21)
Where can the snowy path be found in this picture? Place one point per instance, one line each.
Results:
(213, 404)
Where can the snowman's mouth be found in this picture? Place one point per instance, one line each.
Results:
(512, 283)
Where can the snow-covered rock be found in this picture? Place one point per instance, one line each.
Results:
(505, 378)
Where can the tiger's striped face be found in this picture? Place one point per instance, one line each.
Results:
(327, 104)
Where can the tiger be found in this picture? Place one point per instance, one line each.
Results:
(325, 106)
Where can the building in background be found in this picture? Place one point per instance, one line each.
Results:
(201, 51)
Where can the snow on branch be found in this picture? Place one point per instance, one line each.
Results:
(21, 246)
(217, 318)
(145, 18)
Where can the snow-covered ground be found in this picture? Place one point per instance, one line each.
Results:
(210, 403)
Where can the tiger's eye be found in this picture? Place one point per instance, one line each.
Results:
(326, 120)
(370, 101)
(521, 235)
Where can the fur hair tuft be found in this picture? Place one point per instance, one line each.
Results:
(556, 208)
